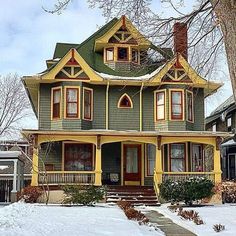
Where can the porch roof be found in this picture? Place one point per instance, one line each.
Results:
(95, 132)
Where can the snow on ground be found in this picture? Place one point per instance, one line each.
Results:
(21, 219)
(211, 215)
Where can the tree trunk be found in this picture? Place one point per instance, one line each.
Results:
(226, 13)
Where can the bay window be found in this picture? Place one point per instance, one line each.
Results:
(72, 102)
(56, 103)
(176, 105)
(87, 103)
(177, 157)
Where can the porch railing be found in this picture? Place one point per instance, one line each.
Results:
(185, 175)
(67, 177)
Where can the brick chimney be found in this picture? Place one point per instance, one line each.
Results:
(181, 39)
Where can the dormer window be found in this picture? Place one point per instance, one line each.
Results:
(125, 102)
(109, 54)
(135, 55)
(123, 54)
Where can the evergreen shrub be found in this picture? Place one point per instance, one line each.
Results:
(188, 190)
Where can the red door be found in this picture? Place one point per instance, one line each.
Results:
(132, 164)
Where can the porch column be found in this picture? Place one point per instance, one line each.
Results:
(217, 168)
(34, 180)
(158, 166)
(14, 187)
(98, 167)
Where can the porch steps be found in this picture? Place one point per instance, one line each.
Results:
(136, 195)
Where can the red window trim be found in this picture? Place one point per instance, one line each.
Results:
(184, 159)
(77, 102)
(191, 120)
(109, 49)
(91, 148)
(126, 59)
(181, 104)
(164, 104)
(53, 104)
(90, 104)
(135, 61)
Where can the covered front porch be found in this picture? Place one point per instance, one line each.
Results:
(124, 158)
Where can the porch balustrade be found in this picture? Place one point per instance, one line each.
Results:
(67, 177)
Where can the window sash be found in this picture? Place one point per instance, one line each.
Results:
(87, 104)
(160, 105)
(110, 54)
(122, 54)
(176, 105)
(134, 55)
(190, 106)
(72, 102)
(177, 157)
(56, 104)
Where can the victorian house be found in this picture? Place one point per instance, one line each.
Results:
(118, 110)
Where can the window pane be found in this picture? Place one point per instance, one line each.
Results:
(177, 165)
(190, 106)
(72, 95)
(56, 110)
(176, 97)
(160, 98)
(134, 55)
(160, 112)
(109, 54)
(176, 110)
(132, 160)
(56, 96)
(72, 108)
(87, 104)
(123, 53)
(151, 155)
(177, 151)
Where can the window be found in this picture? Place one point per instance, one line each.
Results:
(189, 106)
(229, 124)
(176, 105)
(135, 55)
(125, 102)
(72, 102)
(110, 54)
(78, 157)
(160, 105)
(177, 157)
(150, 155)
(197, 158)
(214, 127)
(88, 103)
(56, 103)
(123, 54)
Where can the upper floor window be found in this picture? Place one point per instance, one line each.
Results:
(109, 54)
(72, 103)
(229, 124)
(135, 55)
(160, 105)
(189, 103)
(125, 102)
(214, 127)
(123, 54)
(88, 103)
(56, 103)
(176, 105)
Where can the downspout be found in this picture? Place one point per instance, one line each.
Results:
(107, 108)
(141, 108)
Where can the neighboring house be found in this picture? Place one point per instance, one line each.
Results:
(116, 109)
(223, 119)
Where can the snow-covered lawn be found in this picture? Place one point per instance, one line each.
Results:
(20, 219)
(211, 215)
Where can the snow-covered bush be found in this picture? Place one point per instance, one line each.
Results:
(188, 190)
(30, 194)
(84, 195)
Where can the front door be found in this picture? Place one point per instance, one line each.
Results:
(132, 164)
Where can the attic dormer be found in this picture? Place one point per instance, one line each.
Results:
(122, 46)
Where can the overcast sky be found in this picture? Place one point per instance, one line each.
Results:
(28, 37)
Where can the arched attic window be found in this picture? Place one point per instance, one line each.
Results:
(125, 101)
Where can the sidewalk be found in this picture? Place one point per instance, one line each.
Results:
(167, 225)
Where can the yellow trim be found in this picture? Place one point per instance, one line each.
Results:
(131, 102)
(34, 180)
(183, 103)
(79, 97)
(61, 99)
(93, 76)
(107, 106)
(155, 105)
(103, 40)
(186, 99)
(86, 88)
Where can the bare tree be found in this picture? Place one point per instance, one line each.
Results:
(211, 24)
(14, 104)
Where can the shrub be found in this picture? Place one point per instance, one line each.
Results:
(30, 194)
(85, 195)
(188, 190)
(218, 227)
